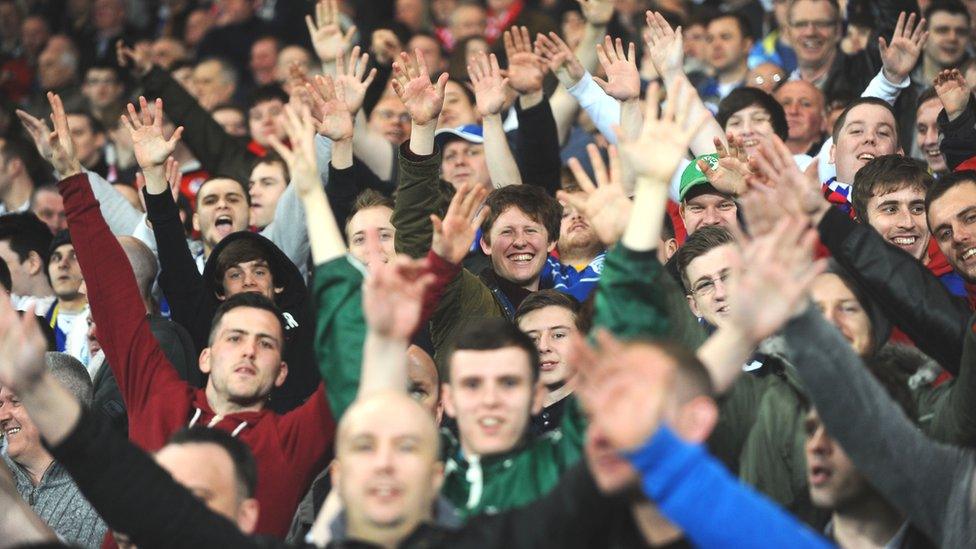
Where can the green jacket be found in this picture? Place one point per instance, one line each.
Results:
(955, 415)
(522, 475)
(340, 329)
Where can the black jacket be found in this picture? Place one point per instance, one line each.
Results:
(959, 136)
(135, 495)
(911, 296)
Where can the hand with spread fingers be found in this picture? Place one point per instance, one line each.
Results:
(623, 79)
(300, 158)
(138, 59)
(664, 137)
(953, 91)
(327, 36)
(351, 80)
(604, 205)
(489, 85)
(560, 59)
(731, 173)
(422, 98)
(393, 296)
(796, 192)
(60, 141)
(526, 69)
(622, 392)
(901, 55)
(772, 283)
(146, 129)
(665, 45)
(22, 348)
(454, 234)
(39, 131)
(332, 115)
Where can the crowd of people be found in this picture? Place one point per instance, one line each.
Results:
(500, 273)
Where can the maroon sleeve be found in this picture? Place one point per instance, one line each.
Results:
(140, 367)
(444, 273)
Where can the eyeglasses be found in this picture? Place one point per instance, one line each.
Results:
(707, 287)
(775, 78)
(97, 81)
(819, 24)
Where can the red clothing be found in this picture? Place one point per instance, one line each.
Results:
(289, 449)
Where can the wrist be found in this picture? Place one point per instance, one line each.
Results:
(895, 79)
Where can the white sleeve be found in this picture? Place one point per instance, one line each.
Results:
(882, 88)
(603, 109)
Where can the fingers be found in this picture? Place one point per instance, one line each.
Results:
(596, 161)
(582, 179)
(616, 167)
(509, 43)
(651, 109)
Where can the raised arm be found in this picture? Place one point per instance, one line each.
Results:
(326, 34)
(420, 192)
(957, 121)
(489, 92)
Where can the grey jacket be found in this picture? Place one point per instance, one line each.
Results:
(59, 503)
(931, 483)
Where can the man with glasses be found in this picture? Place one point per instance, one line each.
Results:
(705, 262)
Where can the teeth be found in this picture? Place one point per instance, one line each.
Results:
(384, 492)
(13, 431)
(521, 257)
(969, 253)
(904, 240)
(489, 422)
(866, 156)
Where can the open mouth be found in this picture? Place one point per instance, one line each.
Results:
(521, 258)
(548, 365)
(223, 225)
(819, 475)
(968, 254)
(865, 157)
(490, 425)
(11, 431)
(245, 370)
(903, 241)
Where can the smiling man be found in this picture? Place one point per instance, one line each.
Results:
(706, 261)
(927, 134)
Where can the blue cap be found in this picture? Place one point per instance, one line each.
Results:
(471, 133)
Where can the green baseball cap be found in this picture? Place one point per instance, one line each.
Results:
(693, 177)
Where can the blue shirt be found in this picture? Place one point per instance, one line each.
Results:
(566, 279)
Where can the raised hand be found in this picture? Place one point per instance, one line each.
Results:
(332, 115)
(623, 79)
(411, 82)
(393, 296)
(454, 234)
(560, 58)
(489, 85)
(623, 393)
(351, 79)
(62, 145)
(664, 137)
(146, 129)
(796, 192)
(952, 88)
(665, 45)
(900, 57)
(604, 205)
(526, 69)
(776, 272)
(385, 46)
(300, 158)
(138, 59)
(731, 173)
(38, 131)
(596, 12)
(22, 348)
(326, 34)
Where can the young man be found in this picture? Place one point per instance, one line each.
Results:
(16, 183)
(581, 254)
(950, 37)
(25, 245)
(42, 481)
(927, 134)
(729, 39)
(64, 273)
(702, 205)
(243, 357)
(889, 195)
(47, 205)
(103, 88)
(706, 261)
(269, 179)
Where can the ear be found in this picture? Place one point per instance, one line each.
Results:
(278, 290)
(485, 246)
(335, 473)
(34, 263)
(538, 397)
(196, 222)
(552, 246)
(282, 374)
(247, 515)
(901, 151)
(447, 401)
(670, 247)
(439, 411)
(697, 419)
(693, 306)
(437, 477)
(833, 151)
(204, 361)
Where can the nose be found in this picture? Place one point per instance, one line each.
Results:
(904, 219)
(542, 345)
(249, 279)
(931, 135)
(819, 442)
(711, 217)
(961, 237)
(720, 290)
(384, 457)
(489, 396)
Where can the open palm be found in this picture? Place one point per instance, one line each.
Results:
(623, 79)
(665, 45)
(900, 56)
(146, 128)
(393, 296)
(604, 205)
(411, 82)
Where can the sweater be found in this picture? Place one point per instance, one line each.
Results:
(59, 503)
(289, 449)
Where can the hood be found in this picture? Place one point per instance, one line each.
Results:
(292, 298)
(203, 415)
(880, 325)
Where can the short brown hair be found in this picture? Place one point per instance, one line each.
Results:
(842, 119)
(241, 251)
(364, 201)
(885, 174)
(274, 158)
(530, 200)
(698, 244)
(554, 298)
